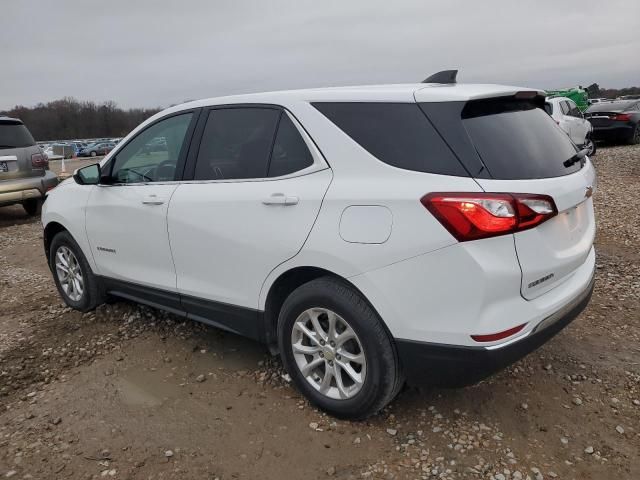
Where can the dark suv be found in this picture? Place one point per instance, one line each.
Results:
(24, 168)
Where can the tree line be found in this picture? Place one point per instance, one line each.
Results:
(68, 119)
(618, 92)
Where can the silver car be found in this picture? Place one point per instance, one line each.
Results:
(24, 167)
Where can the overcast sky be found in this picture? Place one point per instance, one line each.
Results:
(159, 52)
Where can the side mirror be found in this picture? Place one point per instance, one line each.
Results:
(88, 175)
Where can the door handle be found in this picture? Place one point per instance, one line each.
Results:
(152, 200)
(281, 199)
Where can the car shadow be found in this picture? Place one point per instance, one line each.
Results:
(15, 215)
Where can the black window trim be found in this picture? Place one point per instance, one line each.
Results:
(106, 178)
(319, 160)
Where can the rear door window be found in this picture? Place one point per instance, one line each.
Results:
(398, 134)
(236, 143)
(290, 153)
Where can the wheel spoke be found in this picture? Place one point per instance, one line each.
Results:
(315, 321)
(308, 333)
(348, 334)
(77, 286)
(351, 357)
(355, 376)
(339, 383)
(333, 319)
(326, 381)
(62, 259)
(305, 349)
(311, 366)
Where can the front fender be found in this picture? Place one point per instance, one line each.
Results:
(66, 205)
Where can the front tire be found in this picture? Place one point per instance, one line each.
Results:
(337, 349)
(93, 154)
(76, 283)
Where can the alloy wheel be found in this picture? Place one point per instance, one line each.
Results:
(328, 353)
(589, 146)
(69, 273)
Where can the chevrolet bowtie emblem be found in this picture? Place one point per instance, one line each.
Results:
(588, 191)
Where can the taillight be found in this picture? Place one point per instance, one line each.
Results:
(621, 117)
(471, 216)
(39, 160)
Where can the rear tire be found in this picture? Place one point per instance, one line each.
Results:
(32, 206)
(76, 283)
(93, 154)
(375, 362)
(634, 139)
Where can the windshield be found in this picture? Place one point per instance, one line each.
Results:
(15, 135)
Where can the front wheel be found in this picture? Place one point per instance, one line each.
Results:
(337, 350)
(76, 283)
(93, 154)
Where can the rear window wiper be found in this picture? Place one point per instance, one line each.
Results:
(578, 157)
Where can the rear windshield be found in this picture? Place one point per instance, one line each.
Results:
(14, 135)
(517, 140)
(398, 134)
(619, 106)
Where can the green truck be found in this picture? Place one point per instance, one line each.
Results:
(578, 94)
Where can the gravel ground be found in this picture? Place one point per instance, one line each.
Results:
(130, 392)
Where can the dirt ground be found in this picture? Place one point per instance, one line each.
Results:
(132, 393)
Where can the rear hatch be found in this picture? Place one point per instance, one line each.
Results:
(17, 147)
(510, 144)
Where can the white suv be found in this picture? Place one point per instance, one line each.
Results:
(370, 235)
(569, 118)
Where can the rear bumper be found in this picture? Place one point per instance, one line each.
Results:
(20, 189)
(456, 366)
(613, 132)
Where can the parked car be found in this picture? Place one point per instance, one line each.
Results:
(24, 167)
(96, 149)
(569, 118)
(617, 120)
(355, 231)
(79, 146)
(156, 145)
